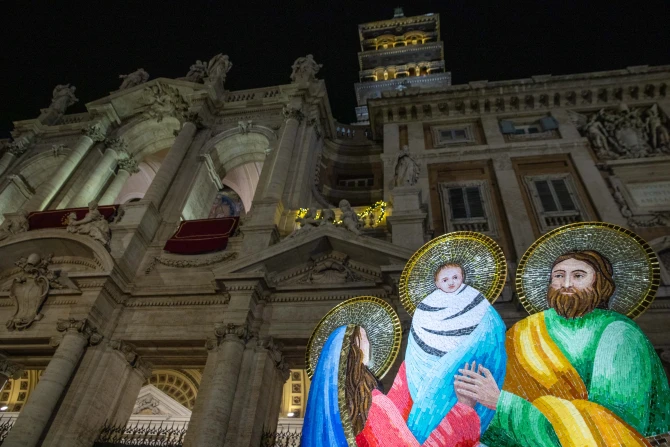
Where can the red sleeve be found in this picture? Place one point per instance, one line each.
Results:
(459, 428)
(399, 393)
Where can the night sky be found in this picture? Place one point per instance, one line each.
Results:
(90, 43)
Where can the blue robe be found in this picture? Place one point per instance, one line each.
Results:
(322, 425)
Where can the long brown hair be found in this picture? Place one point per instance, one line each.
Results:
(359, 384)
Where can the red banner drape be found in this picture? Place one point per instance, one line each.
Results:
(58, 218)
(202, 235)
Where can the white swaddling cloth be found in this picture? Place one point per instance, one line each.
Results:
(442, 319)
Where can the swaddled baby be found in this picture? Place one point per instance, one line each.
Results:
(453, 325)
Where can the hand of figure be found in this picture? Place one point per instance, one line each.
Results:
(479, 385)
(462, 398)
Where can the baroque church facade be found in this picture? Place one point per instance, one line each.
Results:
(166, 255)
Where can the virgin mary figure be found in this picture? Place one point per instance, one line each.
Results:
(352, 347)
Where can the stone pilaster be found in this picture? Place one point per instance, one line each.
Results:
(166, 173)
(408, 219)
(34, 419)
(48, 190)
(213, 407)
(515, 207)
(127, 167)
(96, 179)
(258, 394)
(104, 388)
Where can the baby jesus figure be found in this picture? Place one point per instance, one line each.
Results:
(452, 326)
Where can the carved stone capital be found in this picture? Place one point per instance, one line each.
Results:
(17, 147)
(274, 350)
(232, 332)
(82, 326)
(290, 112)
(10, 369)
(129, 164)
(95, 132)
(116, 144)
(131, 356)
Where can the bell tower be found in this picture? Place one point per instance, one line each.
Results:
(396, 54)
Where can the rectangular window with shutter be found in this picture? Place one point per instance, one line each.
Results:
(467, 206)
(554, 195)
(466, 202)
(556, 200)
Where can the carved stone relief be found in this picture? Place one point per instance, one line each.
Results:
(164, 100)
(635, 132)
(133, 79)
(30, 288)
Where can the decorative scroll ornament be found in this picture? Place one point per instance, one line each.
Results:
(380, 322)
(187, 263)
(82, 326)
(635, 267)
(30, 289)
(480, 257)
(116, 144)
(275, 352)
(10, 369)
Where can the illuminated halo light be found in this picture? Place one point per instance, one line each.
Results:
(635, 266)
(479, 255)
(379, 320)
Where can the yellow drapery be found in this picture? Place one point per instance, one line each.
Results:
(539, 372)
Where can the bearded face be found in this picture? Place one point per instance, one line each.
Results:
(577, 288)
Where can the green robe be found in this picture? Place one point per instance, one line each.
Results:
(619, 367)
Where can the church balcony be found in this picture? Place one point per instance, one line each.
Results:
(400, 55)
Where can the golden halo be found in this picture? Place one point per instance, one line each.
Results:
(634, 263)
(479, 255)
(379, 320)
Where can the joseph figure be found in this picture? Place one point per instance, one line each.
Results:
(578, 374)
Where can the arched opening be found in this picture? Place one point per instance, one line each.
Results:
(228, 176)
(19, 187)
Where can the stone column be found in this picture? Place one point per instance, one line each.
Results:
(8, 370)
(284, 153)
(127, 167)
(104, 388)
(213, 406)
(408, 219)
(96, 179)
(48, 190)
(13, 152)
(166, 173)
(34, 419)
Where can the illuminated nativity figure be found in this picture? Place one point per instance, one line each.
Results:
(580, 372)
(352, 347)
(447, 286)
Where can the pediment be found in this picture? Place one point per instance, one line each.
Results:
(325, 256)
(154, 402)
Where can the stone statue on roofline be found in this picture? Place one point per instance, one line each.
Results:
(304, 69)
(349, 218)
(197, 72)
(218, 68)
(133, 79)
(63, 97)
